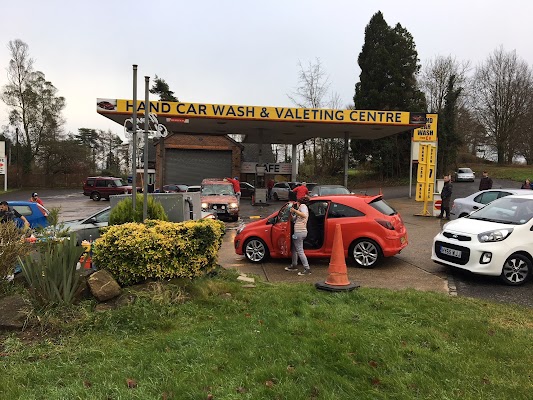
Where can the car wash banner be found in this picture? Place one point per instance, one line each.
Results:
(222, 111)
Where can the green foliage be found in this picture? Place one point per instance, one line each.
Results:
(123, 212)
(12, 246)
(161, 88)
(55, 229)
(389, 65)
(52, 275)
(134, 252)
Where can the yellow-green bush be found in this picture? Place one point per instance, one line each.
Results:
(134, 252)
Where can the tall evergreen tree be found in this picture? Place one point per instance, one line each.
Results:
(161, 88)
(389, 66)
(449, 140)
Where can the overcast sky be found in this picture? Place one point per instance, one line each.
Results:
(236, 52)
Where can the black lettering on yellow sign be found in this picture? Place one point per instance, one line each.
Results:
(161, 107)
(375, 116)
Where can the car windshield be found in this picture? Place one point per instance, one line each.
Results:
(217, 190)
(506, 210)
(334, 190)
(381, 205)
(465, 171)
(118, 182)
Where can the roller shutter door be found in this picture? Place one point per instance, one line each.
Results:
(191, 166)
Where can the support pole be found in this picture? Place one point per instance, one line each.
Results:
(346, 157)
(411, 168)
(134, 140)
(294, 163)
(145, 155)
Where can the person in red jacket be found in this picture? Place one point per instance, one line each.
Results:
(236, 187)
(301, 191)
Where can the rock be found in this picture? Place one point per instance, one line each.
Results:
(103, 286)
(13, 312)
(245, 278)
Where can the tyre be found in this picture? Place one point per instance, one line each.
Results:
(516, 270)
(366, 253)
(96, 196)
(255, 250)
(275, 197)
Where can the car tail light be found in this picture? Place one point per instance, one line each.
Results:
(386, 224)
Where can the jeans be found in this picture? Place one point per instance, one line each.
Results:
(297, 249)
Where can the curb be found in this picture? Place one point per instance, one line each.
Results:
(452, 288)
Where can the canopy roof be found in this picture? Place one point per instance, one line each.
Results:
(282, 125)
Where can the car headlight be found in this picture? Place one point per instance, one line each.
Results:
(233, 205)
(241, 228)
(494, 236)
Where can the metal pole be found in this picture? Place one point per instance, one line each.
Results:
(145, 155)
(294, 163)
(346, 156)
(134, 139)
(411, 168)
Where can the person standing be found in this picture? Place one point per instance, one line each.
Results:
(35, 199)
(446, 197)
(526, 184)
(301, 191)
(9, 214)
(485, 183)
(299, 234)
(236, 187)
(270, 185)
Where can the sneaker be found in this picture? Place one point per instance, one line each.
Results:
(291, 268)
(305, 272)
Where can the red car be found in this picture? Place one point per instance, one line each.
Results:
(371, 230)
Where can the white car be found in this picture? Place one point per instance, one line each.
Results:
(464, 175)
(281, 190)
(465, 205)
(89, 228)
(194, 188)
(495, 240)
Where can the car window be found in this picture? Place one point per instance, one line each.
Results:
(90, 182)
(487, 197)
(284, 213)
(103, 216)
(23, 210)
(215, 190)
(503, 194)
(382, 206)
(101, 183)
(343, 211)
(318, 208)
(118, 182)
(334, 190)
(506, 210)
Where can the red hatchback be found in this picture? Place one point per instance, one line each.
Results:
(371, 230)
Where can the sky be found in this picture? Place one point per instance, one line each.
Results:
(240, 52)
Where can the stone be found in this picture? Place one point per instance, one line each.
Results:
(103, 286)
(244, 278)
(13, 312)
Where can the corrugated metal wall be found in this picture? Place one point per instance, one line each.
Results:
(191, 166)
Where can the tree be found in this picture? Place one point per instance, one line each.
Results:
(389, 67)
(449, 140)
(161, 88)
(34, 106)
(502, 97)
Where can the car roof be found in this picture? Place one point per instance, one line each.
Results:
(348, 197)
(330, 186)
(25, 203)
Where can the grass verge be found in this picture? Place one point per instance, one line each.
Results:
(212, 337)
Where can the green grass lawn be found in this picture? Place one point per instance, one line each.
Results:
(517, 173)
(212, 337)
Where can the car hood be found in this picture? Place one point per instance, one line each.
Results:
(71, 222)
(474, 226)
(219, 199)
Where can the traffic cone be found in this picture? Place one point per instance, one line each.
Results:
(337, 279)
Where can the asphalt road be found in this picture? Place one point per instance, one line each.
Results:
(74, 205)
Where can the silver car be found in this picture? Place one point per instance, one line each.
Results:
(464, 175)
(89, 228)
(463, 206)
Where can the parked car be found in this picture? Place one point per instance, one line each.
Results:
(322, 190)
(174, 188)
(101, 187)
(463, 206)
(34, 212)
(464, 175)
(89, 228)
(194, 188)
(281, 190)
(495, 240)
(247, 190)
(371, 230)
(218, 196)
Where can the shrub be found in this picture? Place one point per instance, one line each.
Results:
(52, 276)
(123, 212)
(134, 252)
(12, 246)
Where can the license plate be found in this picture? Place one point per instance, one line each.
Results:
(450, 252)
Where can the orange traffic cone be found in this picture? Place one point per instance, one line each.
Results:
(337, 279)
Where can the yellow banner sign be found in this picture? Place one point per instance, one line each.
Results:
(420, 191)
(429, 191)
(429, 132)
(421, 173)
(423, 154)
(222, 111)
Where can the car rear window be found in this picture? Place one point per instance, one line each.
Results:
(23, 210)
(90, 182)
(382, 206)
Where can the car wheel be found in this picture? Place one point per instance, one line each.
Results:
(463, 215)
(516, 270)
(255, 250)
(95, 196)
(366, 253)
(275, 196)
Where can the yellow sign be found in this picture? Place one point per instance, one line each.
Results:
(421, 173)
(222, 111)
(420, 191)
(423, 154)
(429, 191)
(432, 154)
(430, 175)
(429, 132)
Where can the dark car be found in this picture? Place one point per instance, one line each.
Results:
(174, 188)
(101, 187)
(106, 105)
(247, 190)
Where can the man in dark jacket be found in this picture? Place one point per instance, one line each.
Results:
(446, 197)
(9, 214)
(485, 182)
